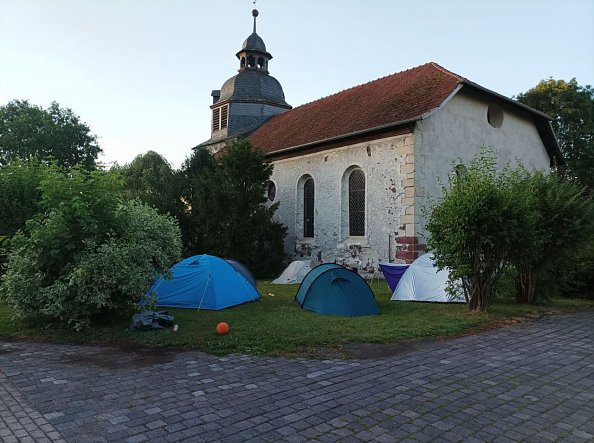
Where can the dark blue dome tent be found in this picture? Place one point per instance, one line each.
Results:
(332, 289)
(243, 270)
(204, 282)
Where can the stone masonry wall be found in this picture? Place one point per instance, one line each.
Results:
(388, 165)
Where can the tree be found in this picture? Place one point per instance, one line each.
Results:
(19, 199)
(559, 233)
(474, 226)
(150, 178)
(19, 194)
(571, 107)
(91, 255)
(193, 233)
(29, 131)
(227, 200)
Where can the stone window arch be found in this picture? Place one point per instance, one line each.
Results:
(353, 203)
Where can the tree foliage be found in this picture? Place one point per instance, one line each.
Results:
(28, 131)
(571, 107)
(91, 253)
(229, 216)
(559, 230)
(19, 194)
(150, 178)
(533, 224)
(194, 235)
(474, 226)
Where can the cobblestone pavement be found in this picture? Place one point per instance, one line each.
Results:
(529, 382)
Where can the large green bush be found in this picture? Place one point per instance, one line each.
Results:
(19, 193)
(91, 253)
(19, 198)
(530, 224)
(558, 234)
(474, 226)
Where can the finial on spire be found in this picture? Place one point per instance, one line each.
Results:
(255, 14)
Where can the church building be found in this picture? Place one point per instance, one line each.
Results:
(354, 170)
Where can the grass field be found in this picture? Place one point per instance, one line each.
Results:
(276, 325)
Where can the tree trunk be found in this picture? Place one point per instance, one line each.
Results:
(525, 286)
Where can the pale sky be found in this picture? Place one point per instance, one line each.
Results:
(140, 72)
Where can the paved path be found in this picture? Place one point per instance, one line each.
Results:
(530, 382)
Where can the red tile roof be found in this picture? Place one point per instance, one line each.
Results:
(399, 97)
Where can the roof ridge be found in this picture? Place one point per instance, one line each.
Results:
(378, 79)
(446, 71)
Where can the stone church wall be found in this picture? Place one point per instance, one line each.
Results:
(387, 164)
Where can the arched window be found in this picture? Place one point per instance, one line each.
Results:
(251, 61)
(242, 63)
(357, 203)
(260, 63)
(308, 207)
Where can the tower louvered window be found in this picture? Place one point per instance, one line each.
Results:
(357, 203)
(224, 116)
(216, 117)
(308, 208)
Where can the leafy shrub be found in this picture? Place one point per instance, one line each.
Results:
(530, 226)
(474, 226)
(19, 193)
(91, 255)
(560, 229)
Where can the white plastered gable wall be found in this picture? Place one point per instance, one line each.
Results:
(457, 130)
(387, 164)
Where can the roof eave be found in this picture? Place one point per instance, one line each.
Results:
(343, 136)
(503, 97)
(262, 101)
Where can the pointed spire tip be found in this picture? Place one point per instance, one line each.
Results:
(254, 14)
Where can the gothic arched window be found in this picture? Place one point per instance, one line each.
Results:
(308, 207)
(357, 203)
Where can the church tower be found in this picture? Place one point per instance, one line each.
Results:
(251, 97)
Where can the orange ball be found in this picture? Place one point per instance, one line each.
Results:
(222, 328)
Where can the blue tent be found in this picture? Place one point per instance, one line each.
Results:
(204, 282)
(332, 289)
(243, 270)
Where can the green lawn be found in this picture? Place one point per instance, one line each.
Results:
(276, 325)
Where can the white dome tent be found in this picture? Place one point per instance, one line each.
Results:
(422, 281)
(293, 274)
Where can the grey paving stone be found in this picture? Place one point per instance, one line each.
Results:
(531, 382)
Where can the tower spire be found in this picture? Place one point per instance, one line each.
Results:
(254, 14)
